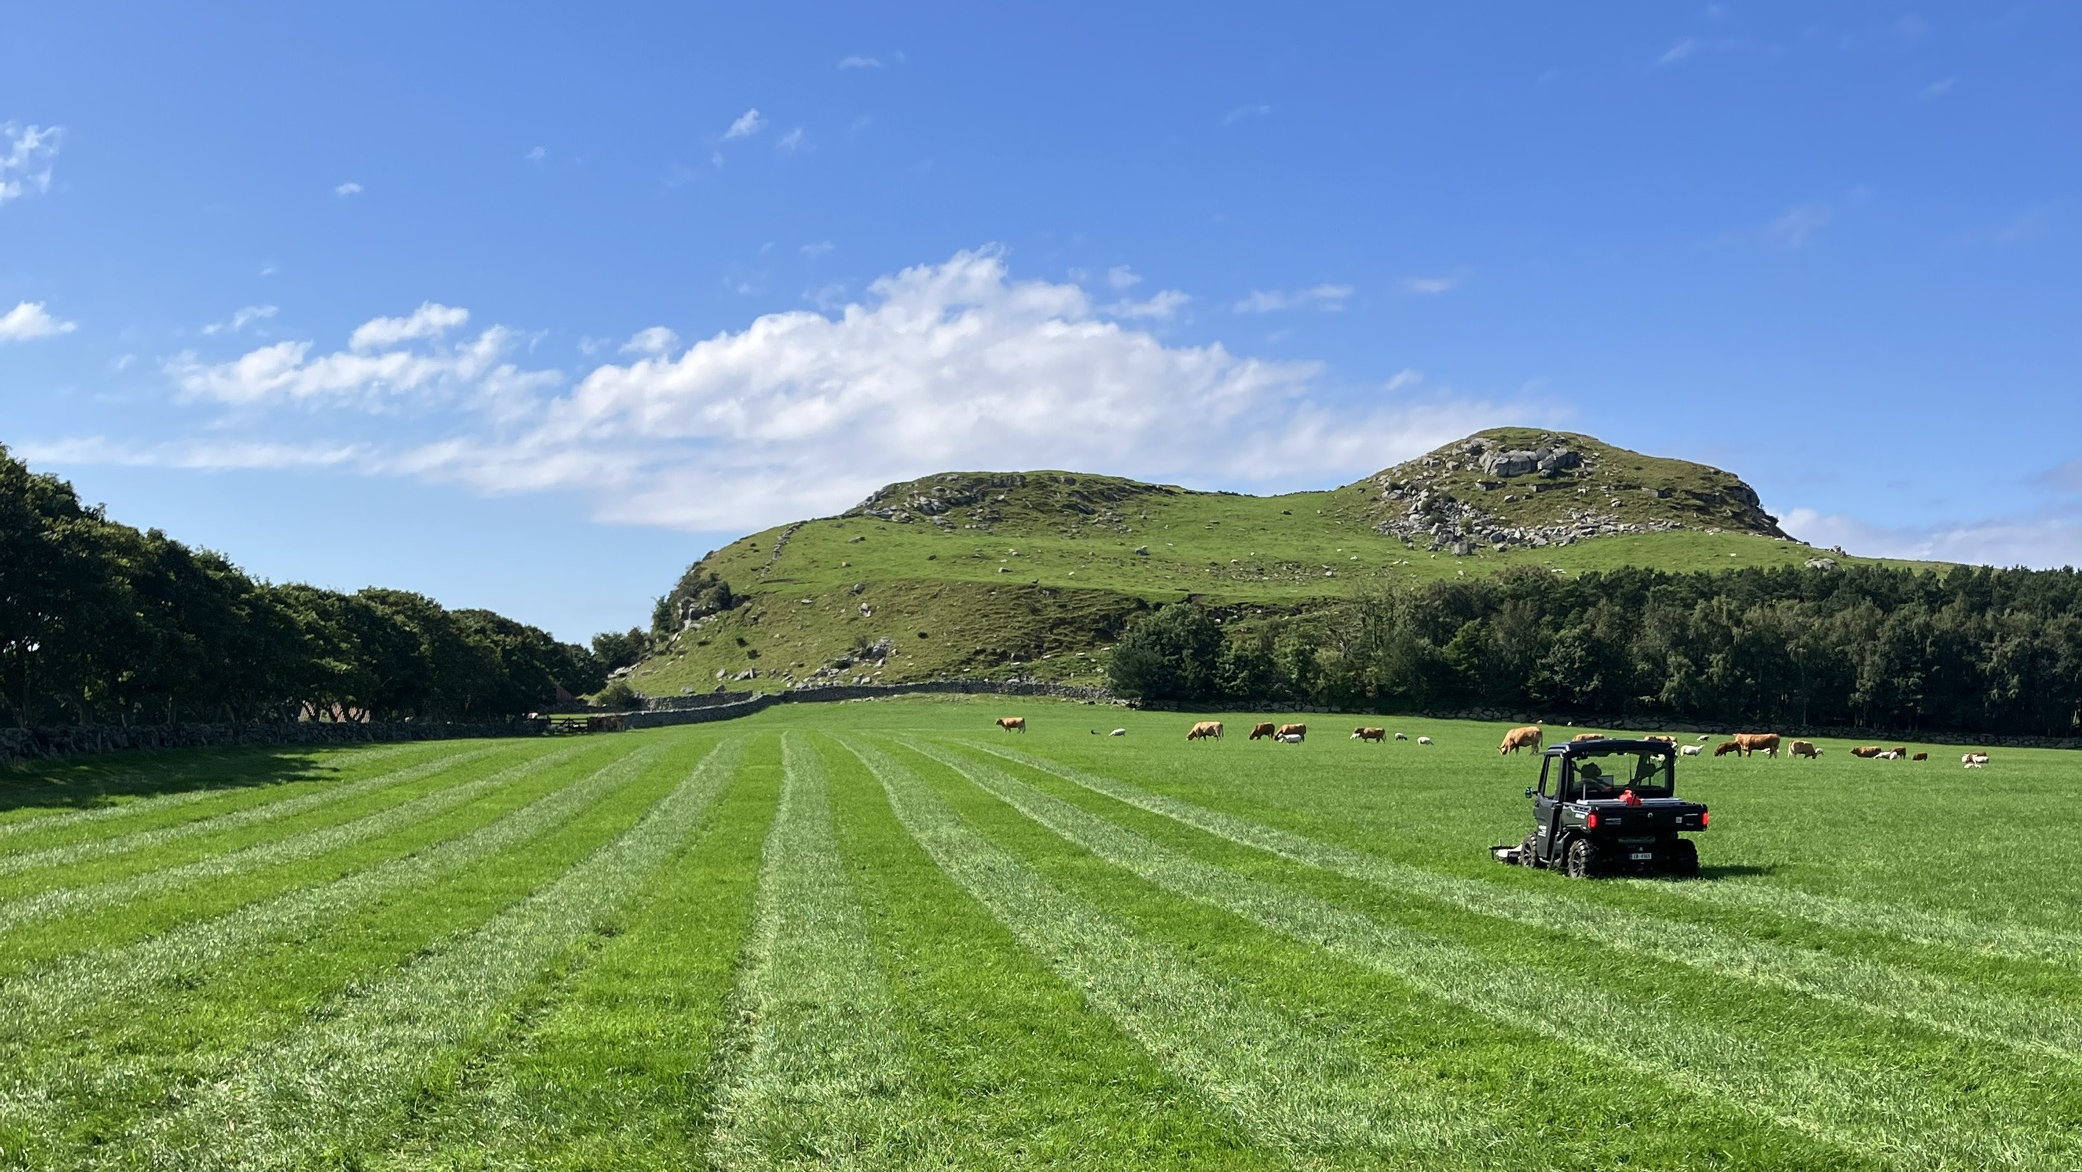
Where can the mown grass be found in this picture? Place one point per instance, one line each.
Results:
(888, 935)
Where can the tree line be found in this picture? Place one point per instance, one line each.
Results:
(102, 623)
(1966, 649)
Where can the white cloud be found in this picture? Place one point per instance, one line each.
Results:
(202, 454)
(1940, 87)
(1798, 225)
(346, 189)
(816, 248)
(748, 124)
(791, 142)
(430, 320)
(1406, 377)
(2042, 541)
(1324, 297)
(240, 319)
(25, 158)
(1678, 52)
(1255, 110)
(952, 365)
(655, 340)
(1428, 286)
(1122, 277)
(536, 155)
(859, 63)
(28, 321)
(1163, 304)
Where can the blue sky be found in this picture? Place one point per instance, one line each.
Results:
(527, 309)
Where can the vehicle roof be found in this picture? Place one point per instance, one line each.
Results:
(1605, 746)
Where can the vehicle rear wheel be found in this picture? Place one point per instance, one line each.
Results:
(1584, 860)
(1526, 857)
(1684, 859)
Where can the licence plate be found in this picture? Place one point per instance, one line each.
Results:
(1642, 856)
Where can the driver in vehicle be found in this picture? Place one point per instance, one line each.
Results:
(1591, 780)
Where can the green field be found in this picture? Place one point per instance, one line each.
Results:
(883, 935)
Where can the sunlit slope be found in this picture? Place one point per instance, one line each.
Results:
(1001, 569)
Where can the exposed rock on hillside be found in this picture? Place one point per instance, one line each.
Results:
(980, 500)
(1517, 488)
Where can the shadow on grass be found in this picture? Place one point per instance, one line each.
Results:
(1735, 870)
(106, 779)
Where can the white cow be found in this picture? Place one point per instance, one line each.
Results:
(1690, 750)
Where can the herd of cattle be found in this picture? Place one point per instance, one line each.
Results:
(1532, 736)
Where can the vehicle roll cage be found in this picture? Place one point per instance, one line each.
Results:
(1569, 753)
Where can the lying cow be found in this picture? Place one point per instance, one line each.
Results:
(1920, 757)
(1690, 750)
(1364, 733)
(1804, 749)
(1660, 737)
(1205, 730)
(1867, 751)
(1588, 737)
(1519, 738)
(1013, 723)
(1261, 729)
(1299, 730)
(1891, 755)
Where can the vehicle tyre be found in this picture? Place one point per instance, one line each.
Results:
(1684, 859)
(1526, 858)
(1583, 861)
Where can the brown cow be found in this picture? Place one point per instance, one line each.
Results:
(1658, 737)
(1726, 747)
(1287, 730)
(1900, 752)
(1261, 729)
(1206, 729)
(1920, 757)
(1804, 749)
(1013, 723)
(1365, 733)
(1867, 751)
(1519, 738)
(1767, 743)
(1588, 737)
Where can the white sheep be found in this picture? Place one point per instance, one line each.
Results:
(1423, 740)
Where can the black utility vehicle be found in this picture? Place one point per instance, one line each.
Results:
(1608, 807)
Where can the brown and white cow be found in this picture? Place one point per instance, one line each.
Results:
(1366, 733)
(1205, 730)
(1013, 723)
(1262, 729)
(1520, 738)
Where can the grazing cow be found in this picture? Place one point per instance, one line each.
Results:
(1519, 738)
(1588, 737)
(1975, 760)
(1299, 730)
(1205, 730)
(1690, 750)
(1013, 723)
(1659, 737)
(1402, 736)
(1804, 749)
(1767, 743)
(1262, 729)
(1290, 738)
(1726, 747)
(1900, 751)
(1423, 740)
(1920, 757)
(1365, 733)
(1866, 751)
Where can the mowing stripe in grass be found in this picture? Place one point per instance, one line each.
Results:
(327, 1088)
(1875, 987)
(615, 1070)
(158, 803)
(309, 844)
(43, 1000)
(1919, 925)
(1872, 1107)
(95, 848)
(819, 1069)
(1294, 1085)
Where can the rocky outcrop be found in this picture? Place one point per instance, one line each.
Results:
(979, 500)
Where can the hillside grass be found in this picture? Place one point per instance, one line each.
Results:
(888, 935)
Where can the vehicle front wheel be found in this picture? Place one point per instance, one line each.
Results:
(1526, 857)
(1684, 859)
(1583, 861)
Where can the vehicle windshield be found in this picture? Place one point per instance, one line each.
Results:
(1608, 776)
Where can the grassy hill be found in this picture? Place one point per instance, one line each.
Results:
(989, 573)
